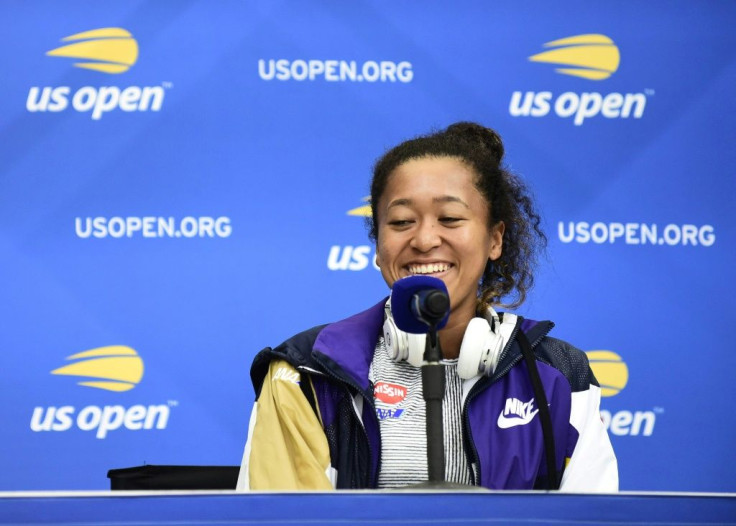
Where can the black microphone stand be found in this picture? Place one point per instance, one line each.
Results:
(433, 388)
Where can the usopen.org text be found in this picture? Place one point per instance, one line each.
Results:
(636, 233)
(152, 227)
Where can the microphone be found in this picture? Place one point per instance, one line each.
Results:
(418, 303)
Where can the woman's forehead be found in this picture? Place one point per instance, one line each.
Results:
(443, 179)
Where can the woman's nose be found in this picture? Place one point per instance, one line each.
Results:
(426, 237)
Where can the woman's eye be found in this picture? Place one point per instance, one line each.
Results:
(450, 220)
(400, 222)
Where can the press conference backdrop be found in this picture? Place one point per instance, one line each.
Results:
(184, 182)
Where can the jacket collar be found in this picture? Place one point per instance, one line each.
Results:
(511, 354)
(536, 330)
(350, 344)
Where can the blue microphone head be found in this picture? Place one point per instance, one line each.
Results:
(403, 295)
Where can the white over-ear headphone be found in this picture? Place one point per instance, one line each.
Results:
(479, 352)
(402, 346)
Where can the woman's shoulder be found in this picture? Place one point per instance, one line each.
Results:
(295, 351)
(568, 359)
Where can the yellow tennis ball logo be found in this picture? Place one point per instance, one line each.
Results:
(610, 371)
(108, 50)
(362, 210)
(112, 368)
(591, 56)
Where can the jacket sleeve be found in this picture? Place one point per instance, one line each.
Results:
(592, 467)
(286, 447)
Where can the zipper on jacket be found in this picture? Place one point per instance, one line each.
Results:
(349, 383)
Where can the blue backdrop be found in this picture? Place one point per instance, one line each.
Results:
(181, 185)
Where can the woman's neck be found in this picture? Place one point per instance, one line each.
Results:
(451, 336)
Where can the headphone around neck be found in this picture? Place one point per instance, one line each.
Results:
(479, 352)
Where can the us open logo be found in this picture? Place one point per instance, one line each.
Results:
(610, 370)
(112, 368)
(363, 210)
(612, 374)
(110, 50)
(591, 57)
(115, 368)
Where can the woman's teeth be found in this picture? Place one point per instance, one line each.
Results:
(429, 268)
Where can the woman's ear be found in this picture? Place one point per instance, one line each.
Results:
(497, 240)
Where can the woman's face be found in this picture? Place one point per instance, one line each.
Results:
(432, 220)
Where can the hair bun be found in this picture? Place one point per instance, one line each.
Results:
(483, 137)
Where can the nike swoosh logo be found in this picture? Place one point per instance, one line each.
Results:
(506, 422)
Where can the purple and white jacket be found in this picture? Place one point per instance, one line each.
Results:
(502, 432)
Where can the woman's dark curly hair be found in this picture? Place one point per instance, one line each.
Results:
(509, 201)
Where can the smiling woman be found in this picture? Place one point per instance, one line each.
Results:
(505, 199)
(443, 205)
